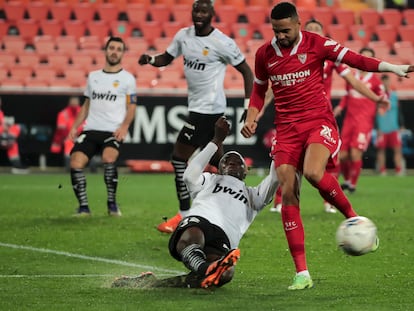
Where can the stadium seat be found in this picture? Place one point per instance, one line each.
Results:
(239, 5)
(344, 17)
(4, 73)
(4, 27)
(381, 49)
(361, 32)
(160, 44)
(21, 72)
(100, 29)
(406, 33)
(171, 28)
(151, 31)
(81, 59)
(90, 43)
(75, 28)
(338, 32)
(28, 29)
(387, 33)
(28, 59)
(13, 82)
(182, 13)
(14, 10)
(61, 11)
(137, 13)
(46, 73)
(44, 45)
(120, 29)
(266, 31)
(146, 74)
(323, 15)
(169, 3)
(51, 27)
(354, 45)
(223, 27)
(253, 44)
(404, 50)
(159, 13)
(66, 44)
(7, 59)
(37, 10)
(14, 44)
(227, 14)
(136, 45)
(392, 17)
(370, 17)
(306, 4)
(34, 82)
(84, 11)
(408, 15)
(256, 15)
(242, 31)
(76, 77)
(108, 11)
(304, 15)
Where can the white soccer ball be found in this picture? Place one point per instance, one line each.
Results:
(357, 236)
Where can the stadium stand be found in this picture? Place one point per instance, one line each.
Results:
(386, 33)
(37, 10)
(408, 15)
(14, 11)
(391, 17)
(84, 11)
(182, 13)
(324, 15)
(338, 32)
(61, 11)
(256, 15)
(344, 17)
(98, 28)
(51, 27)
(160, 13)
(108, 12)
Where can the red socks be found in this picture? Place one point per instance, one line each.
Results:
(292, 224)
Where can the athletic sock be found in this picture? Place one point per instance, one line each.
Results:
(111, 180)
(345, 169)
(79, 186)
(194, 258)
(292, 224)
(355, 171)
(331, 191)
(182, 192)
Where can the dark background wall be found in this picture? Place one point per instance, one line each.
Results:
(157, 123)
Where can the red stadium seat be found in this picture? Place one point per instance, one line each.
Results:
(66, 44)
(4, 73)
(34, 82)
(392, 17)
(108, 11)
(370, 17)
(7, 59)
(81, 59)
(344, 17)
(256, 15)
(381, 49)
(137, 13)
(307, 4)
(160, 44)
(28, 59)
(182, 13)
(44, 45)
(253, 44)
(21, 72)
(76, 77)
(4, 27)
(100, 29)
(14, 44)
(120, 29)
(136, 45)
(13, 82)
(90, 43)
(266, 31)
(46, 73)
(75, 28)
(61, 11)
(171, 28)
(159, 13)
(406, 33)
(338, 32)
(84, 11)
(354, 45)
(404, 50)
(14, 10)
(51, 27)
(304, 15)
(242, 31)
(361, 33)
(323, 15)
(239, 5)
(37, 10)
(408, 15)
(28, 29)
(387, 33)
(151, 31)
(223, 27)
(227, 14)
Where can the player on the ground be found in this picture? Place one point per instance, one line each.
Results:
(307, 134)
(109, 108)
(206, 52)
(223, 208)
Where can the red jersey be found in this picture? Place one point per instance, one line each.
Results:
(328, 68)
(296, 75)
(361, 111)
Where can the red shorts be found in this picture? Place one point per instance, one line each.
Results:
(389, 140)
(293, 139)
(355, 137)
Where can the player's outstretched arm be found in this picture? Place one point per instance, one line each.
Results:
(159, 60)
(401, 70)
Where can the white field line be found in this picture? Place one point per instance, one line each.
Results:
(92, 258)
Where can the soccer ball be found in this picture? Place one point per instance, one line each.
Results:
(357, 236)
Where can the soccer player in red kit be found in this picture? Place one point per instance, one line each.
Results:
(344, 72)
(307, 133)
(358, 123)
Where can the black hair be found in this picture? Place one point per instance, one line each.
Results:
(367, 49)
(284, 10)
(116, 39)
(313, 21)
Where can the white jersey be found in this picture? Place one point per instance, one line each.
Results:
(225, 200)
(205, 61)
(109, 94)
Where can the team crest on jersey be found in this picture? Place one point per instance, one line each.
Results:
(302, 57)
(205, 51)
(115, 83)
(326, 133)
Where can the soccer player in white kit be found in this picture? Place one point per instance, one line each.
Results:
(206, 52)
(109, 108)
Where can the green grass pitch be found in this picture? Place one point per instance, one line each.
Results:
(52, 261)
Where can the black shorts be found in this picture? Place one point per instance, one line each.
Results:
(216, 241)
(93, 142)
(198, 129)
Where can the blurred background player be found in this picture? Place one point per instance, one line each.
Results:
(9, 134)
(389, 126)
(108, 110)
(358, 123)
(206, 52)
(344, 72)
(61, 143)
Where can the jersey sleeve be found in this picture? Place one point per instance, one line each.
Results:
(132, 91)
(87, 92)
(261, 82)
(231, 52)
(263, 193)
(174, 49)
(342, 69)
